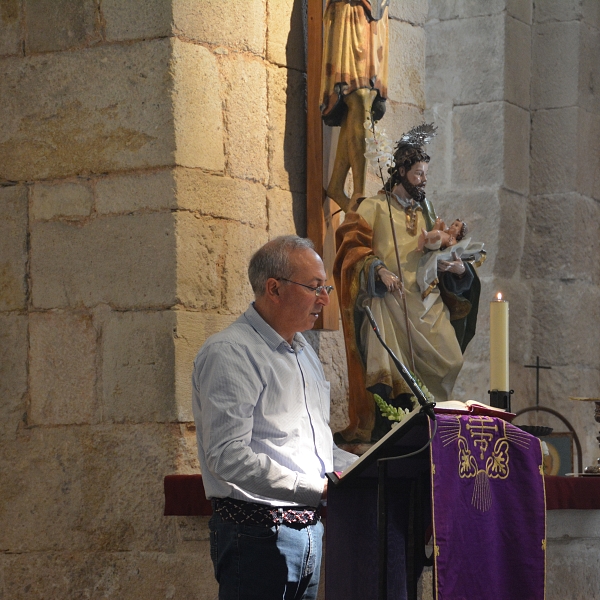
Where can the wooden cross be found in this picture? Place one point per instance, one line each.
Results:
(320, 220)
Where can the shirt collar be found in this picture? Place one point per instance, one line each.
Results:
(269, 335)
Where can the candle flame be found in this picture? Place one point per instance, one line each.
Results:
(499, 297)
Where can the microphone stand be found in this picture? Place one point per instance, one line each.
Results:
(426, 405)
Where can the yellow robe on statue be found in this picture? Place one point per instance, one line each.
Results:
(437, 355)
(365, 237)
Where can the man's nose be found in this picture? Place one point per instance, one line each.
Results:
(323, 298)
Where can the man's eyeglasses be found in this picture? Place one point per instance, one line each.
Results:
(317, 290)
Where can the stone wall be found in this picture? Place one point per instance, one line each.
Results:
(513, 88)
(147, 148)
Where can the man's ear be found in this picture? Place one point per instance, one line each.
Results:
(402, 171)
(272, 289)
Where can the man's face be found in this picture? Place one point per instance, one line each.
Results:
(299, 305)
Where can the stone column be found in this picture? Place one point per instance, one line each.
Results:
(147, 148)
(512, 90)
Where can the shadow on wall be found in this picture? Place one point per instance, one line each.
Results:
(294, 139)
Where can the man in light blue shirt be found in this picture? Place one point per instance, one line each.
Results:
(261, 406)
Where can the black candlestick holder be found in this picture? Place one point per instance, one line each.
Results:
(499, 399)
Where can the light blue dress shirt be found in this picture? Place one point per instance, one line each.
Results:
(261, 409)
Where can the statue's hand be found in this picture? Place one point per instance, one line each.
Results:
(389, 279)
(455, 266)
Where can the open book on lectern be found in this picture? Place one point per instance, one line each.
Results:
(384, 448)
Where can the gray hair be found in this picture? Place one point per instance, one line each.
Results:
(273, 260)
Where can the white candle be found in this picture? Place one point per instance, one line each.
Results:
(499, 344)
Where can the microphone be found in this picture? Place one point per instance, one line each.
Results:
(426, 405)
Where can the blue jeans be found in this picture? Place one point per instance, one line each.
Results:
(254, 562)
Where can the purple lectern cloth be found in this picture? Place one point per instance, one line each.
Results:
(489, 518)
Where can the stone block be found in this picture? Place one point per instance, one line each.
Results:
(511, 234)
(555, 66)
(407, 64)
(197, 110)
(237, 24)
(286, 40)
(554, 150)
(463, 9)
(287, 129)
(221, 197)
(10, 27)
(134, 192)
(520, 9)
(517, 126)
(242, 242)
(62, 369)
(95, 110)
(411, 11)
(588, 165)
(13, 372)
(54, 25)
(591, 13)
(589, 69)
(572, 524)
(138, 367)
(123, 575)
(439, 176)
(77, 489)
(517, 74)
(400, 118)
(244, 84)
(13, 247)
(67, 200)
(330, 348)
(136, 19)
(201, 251)
(568, 572)
(568, 311)
(553, 224)
(125, 261)
(188, 335)
(287, 212)
(474, 70)
(193, 529)
(558, 10)
(186, 460)
(478, 137)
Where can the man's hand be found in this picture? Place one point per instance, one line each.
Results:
(324, 494)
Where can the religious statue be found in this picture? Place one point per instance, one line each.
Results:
(441, 236)
(376, 264)
(353, 85)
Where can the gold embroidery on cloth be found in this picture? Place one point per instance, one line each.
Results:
(492, 438)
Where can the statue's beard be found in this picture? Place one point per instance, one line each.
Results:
(415, 192)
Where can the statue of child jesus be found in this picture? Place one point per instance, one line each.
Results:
(441, 237)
